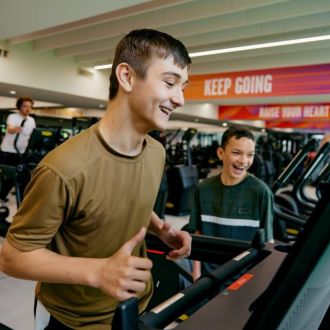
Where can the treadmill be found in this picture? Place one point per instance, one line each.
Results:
(289, 288)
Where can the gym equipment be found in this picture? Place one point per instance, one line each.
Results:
(42, 140)
(324, 176)
(204, 154)
(182, 180)
(296, 197)
(79, 124)
(4, 327)
(298, 188)
(161, 199)
(258, 167)
(297, 297)
(286, 212)
(4, 224)
(4, 212)
(15, 169)
(206, 287)
(166, 273)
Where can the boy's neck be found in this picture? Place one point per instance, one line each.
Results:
(120, 132)
(228, 181)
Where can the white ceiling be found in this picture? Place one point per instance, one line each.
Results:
(88, 31)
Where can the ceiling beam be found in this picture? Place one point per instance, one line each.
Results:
(106, 57)
(90, 21)
(197, 36)
(291, 10)
(164, 17)
(318, 23)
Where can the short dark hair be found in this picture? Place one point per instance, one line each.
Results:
(237, 132)
(139, 47)
(23, 99)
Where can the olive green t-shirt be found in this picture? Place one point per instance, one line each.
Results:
(86, 200)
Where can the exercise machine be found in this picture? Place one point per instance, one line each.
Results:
(283, 290)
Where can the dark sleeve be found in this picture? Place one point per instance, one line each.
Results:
(267, 213)
(195, 214)
(45, 207)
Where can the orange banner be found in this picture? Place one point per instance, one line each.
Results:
(304, 112)
(299, 116)
(317, 125)
(300, 80)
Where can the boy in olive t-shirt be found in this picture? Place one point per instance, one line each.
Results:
(80, 229)
(233, 204)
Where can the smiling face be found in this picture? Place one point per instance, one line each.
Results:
(154, 97)
(237, 157)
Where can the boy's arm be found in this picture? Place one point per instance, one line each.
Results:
(178, 239)
(197, 265)
(120, 276)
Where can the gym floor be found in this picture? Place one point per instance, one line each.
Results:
(17, 296)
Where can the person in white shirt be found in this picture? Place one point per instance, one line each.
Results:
(19, 125)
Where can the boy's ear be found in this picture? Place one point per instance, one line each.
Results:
(219, 153)
(125, 76)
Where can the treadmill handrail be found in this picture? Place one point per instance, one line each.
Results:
(288, 218)
(323, 177)
(169, 310)
(172, 308)
(284, 177)
(206, 248)
(298, 188)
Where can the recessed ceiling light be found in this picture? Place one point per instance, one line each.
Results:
(244, 48)
(101, 105)
(224, 124)
(103, 66)
(259, 46)
(12, 92)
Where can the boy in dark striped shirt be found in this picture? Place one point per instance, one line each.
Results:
(233, 204)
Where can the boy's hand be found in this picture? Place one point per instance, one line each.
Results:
(177, 239)
(123, 275)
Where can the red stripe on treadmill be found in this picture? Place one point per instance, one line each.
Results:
(240, 282)
(155, 251)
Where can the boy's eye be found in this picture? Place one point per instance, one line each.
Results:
(168, 83)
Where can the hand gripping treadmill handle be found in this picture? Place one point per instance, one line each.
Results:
(205, 248)
(126, 315)
(163, 314)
